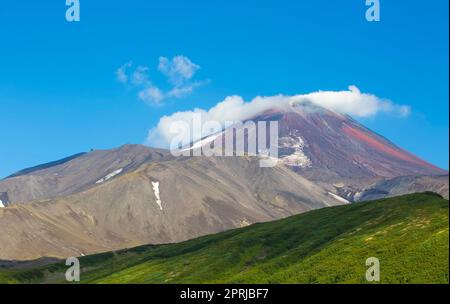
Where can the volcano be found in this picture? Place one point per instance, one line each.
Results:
(335, 147)
(332, 149)
(112, 199)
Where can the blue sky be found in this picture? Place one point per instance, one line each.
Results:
(59, 93)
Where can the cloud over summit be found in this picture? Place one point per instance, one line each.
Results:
(234, 108)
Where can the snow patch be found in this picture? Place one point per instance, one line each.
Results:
(202, 142)
(341, 199)
(1, 204)
(109, 176)
(156, 192)
(357, 196)
(298, 158)
(244, 222)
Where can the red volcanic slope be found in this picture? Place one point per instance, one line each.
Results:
(339, 148)
(385, 148)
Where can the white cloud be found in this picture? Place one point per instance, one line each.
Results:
(179, 71)
(403, 110)
(185, 90)
(121, 72)
(140, 76)
(151, 95)
(234, 108)
(353, 102)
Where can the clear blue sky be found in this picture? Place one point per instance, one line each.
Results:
(59, 94)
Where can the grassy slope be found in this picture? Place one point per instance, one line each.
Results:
(409, 235)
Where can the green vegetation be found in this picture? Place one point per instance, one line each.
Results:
(408, 234)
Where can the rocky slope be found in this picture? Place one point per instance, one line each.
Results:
(87, 170)
(330, 149)
(159, 202)
(403, 185)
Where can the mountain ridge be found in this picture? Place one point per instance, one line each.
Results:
(45, 165)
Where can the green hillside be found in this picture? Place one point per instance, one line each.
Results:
(408, 234)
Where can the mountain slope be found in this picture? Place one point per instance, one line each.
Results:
(408, 234)
(76, 174)
(403, 185)
(158, 202)
(340, 147)
(331, 148)
(46, 166)
(325, 147)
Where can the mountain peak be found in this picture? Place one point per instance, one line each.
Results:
(330, 147)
